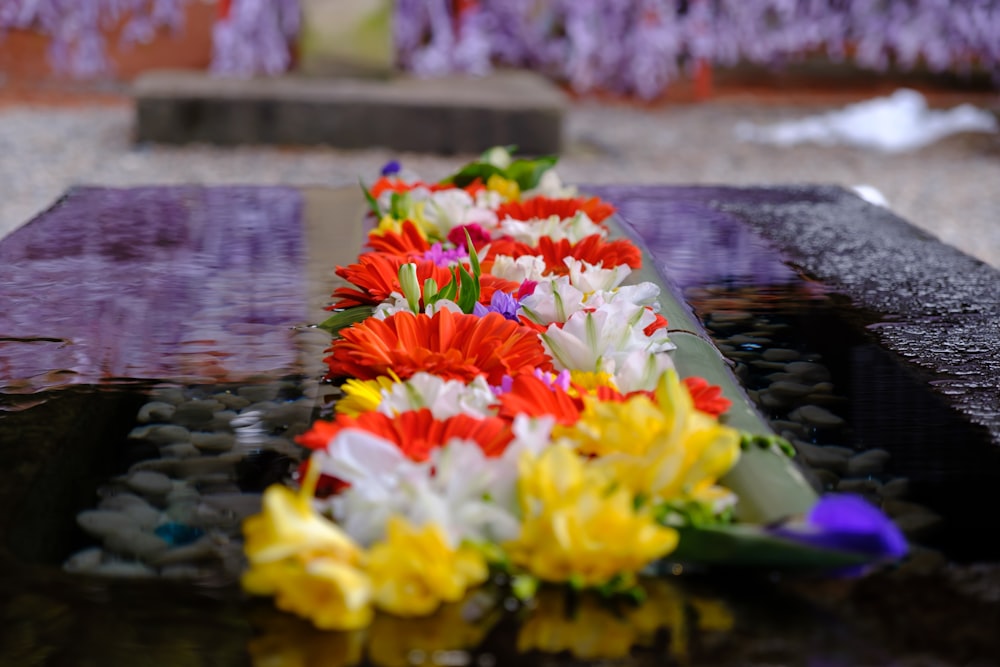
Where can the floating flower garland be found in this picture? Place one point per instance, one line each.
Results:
(510, 404)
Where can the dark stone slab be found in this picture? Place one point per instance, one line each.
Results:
(158, 282)
(448, 115)
(928, 303)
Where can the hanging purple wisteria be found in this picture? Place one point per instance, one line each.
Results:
(639, 46)
(628, 46)
(78, 45)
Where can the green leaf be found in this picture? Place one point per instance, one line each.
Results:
(449, 290)
(527, 173)
(397, 205)
(372, 202)
(741, 545)
(468, 293)
(473, 255)
(342, 319)
(471, 172)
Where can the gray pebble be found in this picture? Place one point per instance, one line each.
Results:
(173, 395)
(767, 365)
(155, 411)
(816, 416)
(196, 413)
(213, 442)
(867, 463)
(102, 523)
(232, 401)
(149, 483)
(120, 568)
(777, 377)
(134, 542)
(222, 421)
(121, 501)
(161, 434)
(86, 560)
(782, 425)
(180, 450)
(917, 523)
(860, 486)
(743, 339)
(823, 388)
(786, 389)
(780, 354)
(259, 392)
(895, 488)
(771, 401)
(808, 371)
(827, 458)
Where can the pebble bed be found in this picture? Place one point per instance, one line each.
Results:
(203, 456)
(792, 387)
(948, 189)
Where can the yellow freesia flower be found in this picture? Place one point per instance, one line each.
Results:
(505, 187)
(580, 526)
(311, 567)
(362, 396)
(591, 381)
(414, 569)
(387, 224)
(665, 450)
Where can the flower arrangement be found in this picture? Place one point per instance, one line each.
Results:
(511, 407)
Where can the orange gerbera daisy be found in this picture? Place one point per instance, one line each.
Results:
(406, 243)
(591, 249)
(543, 207)
(417, 433)
(450, 345)
(394, 184)
(376, 276)
(707, 397)
(532, 396)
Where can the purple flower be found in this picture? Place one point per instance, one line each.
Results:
(849, 523)
(505, 304)
(442, 257)
(561, 380)
(391, 167)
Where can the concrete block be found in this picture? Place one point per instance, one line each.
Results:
(446, 115)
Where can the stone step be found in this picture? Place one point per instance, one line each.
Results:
(446, 115)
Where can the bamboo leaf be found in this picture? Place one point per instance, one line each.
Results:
(342, 319)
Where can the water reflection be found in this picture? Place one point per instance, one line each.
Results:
(187, 283)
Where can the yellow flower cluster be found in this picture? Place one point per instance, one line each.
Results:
(578, 526)
(314, 570)
(662, 451)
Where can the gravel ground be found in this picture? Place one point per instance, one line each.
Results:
(951, 189)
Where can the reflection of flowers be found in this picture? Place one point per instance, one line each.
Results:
(578, 526)
(290, 642)
(591, 628)
(393, 640)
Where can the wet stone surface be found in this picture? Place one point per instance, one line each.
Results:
(120, 518)
(934, 306)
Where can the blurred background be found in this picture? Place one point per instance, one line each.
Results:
(740, 92)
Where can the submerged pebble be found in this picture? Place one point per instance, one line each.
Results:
(155, 411)
(868, 463)
(816, 416)
(149, 483)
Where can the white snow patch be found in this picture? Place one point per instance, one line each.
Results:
(871, 194)
(898, 123)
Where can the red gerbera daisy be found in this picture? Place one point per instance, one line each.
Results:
(707, 397)
(406, 243)
(450, 345)
(417, 433)
(543, 207)
(532, 396)
(376, 276)
(591, 249)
